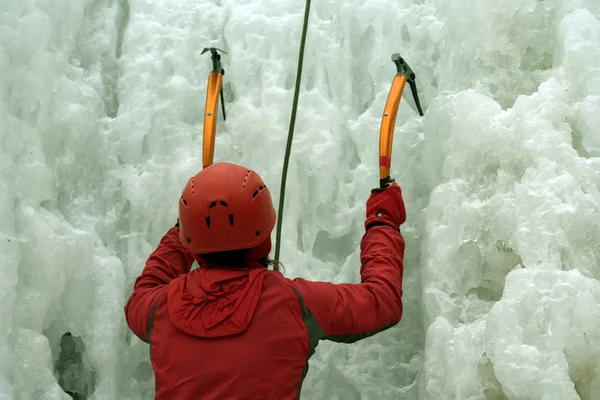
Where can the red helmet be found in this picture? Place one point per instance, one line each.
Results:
(225, 207)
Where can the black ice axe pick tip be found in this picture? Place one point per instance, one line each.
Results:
(405, 70)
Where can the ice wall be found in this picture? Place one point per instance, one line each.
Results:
(101, 106)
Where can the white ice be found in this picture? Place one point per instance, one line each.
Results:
(101, 113)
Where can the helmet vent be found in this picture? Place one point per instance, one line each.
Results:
(189, 240)
(256, 192)
(208, 222)
(257, 233)
(246, 179)
(231, 219)
(213, 204)
(184, 201)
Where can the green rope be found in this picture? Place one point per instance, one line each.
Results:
(291, 131)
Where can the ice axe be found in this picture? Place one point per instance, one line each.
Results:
(388, 121)
(214, 88)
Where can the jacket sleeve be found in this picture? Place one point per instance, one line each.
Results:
(167, 262)
(350, 312)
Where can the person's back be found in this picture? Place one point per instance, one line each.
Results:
(263, 352)
(232, 329)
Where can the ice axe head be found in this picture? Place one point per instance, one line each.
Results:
(216, 58)
(405, 70)
(213, 50)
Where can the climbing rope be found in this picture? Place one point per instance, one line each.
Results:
(291, 131)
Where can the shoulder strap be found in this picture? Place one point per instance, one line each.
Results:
(315, 334)
(151, 319)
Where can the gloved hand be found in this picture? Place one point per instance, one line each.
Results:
(386, 207)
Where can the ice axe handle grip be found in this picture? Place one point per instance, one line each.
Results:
(383, 184)
(385, 181)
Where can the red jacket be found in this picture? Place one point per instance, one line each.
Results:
(247, 333)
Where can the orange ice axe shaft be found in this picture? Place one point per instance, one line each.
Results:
(214, 89)
(388, 121)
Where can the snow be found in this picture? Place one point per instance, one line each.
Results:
(101, 106)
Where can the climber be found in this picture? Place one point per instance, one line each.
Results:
(234, 329)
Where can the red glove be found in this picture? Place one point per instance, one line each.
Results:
(386, 207)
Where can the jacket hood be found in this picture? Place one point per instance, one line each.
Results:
(214, 301)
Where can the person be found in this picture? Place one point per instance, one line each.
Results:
(234, 329)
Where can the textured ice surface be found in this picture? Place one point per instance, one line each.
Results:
(101, 106)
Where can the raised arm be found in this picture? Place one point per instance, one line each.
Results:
(167, 262)
(350, 312)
